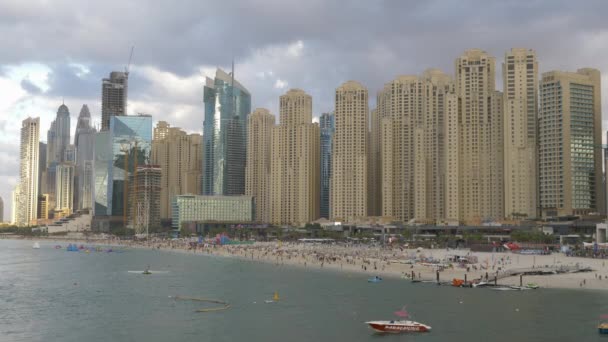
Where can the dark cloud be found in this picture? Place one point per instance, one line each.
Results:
(368, 41)
(30, 87)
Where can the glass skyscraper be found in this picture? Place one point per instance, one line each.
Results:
(227, 106)
(117, 153)
(327, 125)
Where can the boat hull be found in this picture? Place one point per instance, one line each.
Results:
(398, 326)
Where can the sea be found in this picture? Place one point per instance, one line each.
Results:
(51, 294)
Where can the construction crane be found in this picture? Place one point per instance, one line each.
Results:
(128, 67)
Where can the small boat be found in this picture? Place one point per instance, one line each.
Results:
(398, 326)
(374, 279)
(602, 328)
(480, 284)
(274, 299)
(504, 288)
(532, 286)
(147, 271)
(36, 245)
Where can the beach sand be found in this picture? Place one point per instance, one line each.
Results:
(390, 262)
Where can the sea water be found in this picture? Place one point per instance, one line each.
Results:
(50, 294)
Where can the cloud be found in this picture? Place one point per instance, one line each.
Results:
(30, 87)
(62, 49)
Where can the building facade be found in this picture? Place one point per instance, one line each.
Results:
(211, 209)
(412, 112)
(144, 199)
(1, 210)
(84, 141)
(294, 170)
(520, 84)
(178, 155)
(118, 152)
(480, 139)
(27, 199)
(259, 157)
(64, 189)
(570, 160)
(227, 105)
(349, 174)
(113, 97)
(15, 204)
(43, 207)
(327, 125)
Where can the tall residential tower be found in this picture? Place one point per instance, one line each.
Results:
(570, 135)
(480, 140)
(27, 203)
(294, 172)
(178, 155)
(349, 174)
(520, 84)
(259, 157)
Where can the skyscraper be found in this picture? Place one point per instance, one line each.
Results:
(28, 184)
(349, 174)
(58, 143)
(41, 168)
(412, 145)
(84, 140)
(113, 97)
(144, 200)
(480, 140)
(327, 125)
(294, 170)
(118, 152)
(64, 189)
(259, 156)
(570, 159)
(520, 79)
(227, 105)
(178, 155)
(58, 136)
(1, 210)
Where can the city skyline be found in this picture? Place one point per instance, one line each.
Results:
(170, 89)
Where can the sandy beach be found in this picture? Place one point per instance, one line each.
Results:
(395, 262)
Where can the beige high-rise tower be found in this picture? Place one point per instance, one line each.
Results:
(259, 157)
(179, 155)
(295, 168)
(349, 179)
(480, 142)
(27, 198)
(570, 133)
(520, 80)
(413, 111)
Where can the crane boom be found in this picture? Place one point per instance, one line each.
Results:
(130, 57)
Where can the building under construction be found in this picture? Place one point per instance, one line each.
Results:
(144, 198)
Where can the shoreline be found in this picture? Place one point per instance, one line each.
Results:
(374, 261)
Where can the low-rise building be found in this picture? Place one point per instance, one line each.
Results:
(211, 211)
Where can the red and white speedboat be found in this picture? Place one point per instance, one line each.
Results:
(398, 326)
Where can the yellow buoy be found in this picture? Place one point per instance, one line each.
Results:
(276, 296)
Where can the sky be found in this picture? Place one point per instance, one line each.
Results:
(55, 51)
